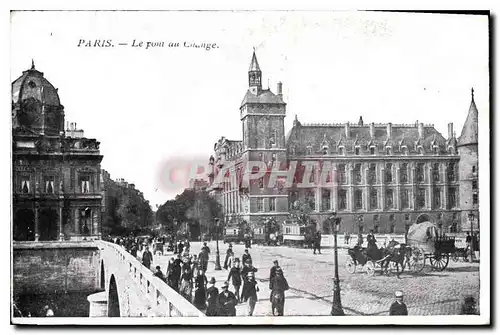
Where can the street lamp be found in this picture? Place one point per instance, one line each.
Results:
(337, 309)
(217, 254)
(471, 220)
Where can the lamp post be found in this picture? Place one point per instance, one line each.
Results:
(471, 220)
(217, 254)
(337, 309)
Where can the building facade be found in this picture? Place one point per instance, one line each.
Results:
(374, 176)
(55, 172)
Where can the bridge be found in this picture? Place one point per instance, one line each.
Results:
(131, 290)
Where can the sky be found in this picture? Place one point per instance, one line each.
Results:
(151, 106)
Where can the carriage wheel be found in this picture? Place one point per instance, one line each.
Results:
(370, 268)
(350, 266)
(439, 261)
(416, 260)
(455, 257)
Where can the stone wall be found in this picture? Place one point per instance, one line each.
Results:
(50, 267)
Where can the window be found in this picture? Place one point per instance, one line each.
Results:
(407, 217)
(437, 198)
(388, 150)
(473, 169)
(358, 199)
(292, 198)
(325, 150)
(25, 185)
(420, 172)
(311, 199)
(325, 200)
(341, 151)
(342, 174)
(357, 173)
(376, 229)
(342, 195)
(85, 184)
(372, 174)
(392, 229)
(356, 151)
(388, 173)
(272, 204)
(373, 199)
(405, 202)
(420, 150)
(421, 198)
(403, 173)
(261, 182)
(405, 150)
(49, 184)
(273, 157)
(452, 198)
(454, 227)
(260, 205)
(435, 149)
(389, 199)
(451, 172)
(474, 184)
(475, 198)
(435, 172)
(372, 151)
(309, 150)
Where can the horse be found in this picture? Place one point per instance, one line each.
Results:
(395, 253)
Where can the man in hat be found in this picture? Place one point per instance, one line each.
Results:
(235, 274)
(212, 295)
(246, 256)
(249, 292)
(158, 273)
(398, 307)
(204, 256)
(229, 254)
(147, 257)
(317, 243)
(226, 302)
(272, 274)
(247, 267)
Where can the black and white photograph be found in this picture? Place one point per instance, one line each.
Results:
(250, 167)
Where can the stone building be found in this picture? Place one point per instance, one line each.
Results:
(378, 176)
(55, 172)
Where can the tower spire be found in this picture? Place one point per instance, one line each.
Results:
(32, 64)
(472, 92)
(254, 75)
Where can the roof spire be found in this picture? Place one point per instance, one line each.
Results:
(254, 64)
(472, 92)
(32, 64)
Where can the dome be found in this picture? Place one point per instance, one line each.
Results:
(32, 84)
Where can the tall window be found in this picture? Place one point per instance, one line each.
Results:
(474, 185)
(292, 198)
(436, 194)
(341, 151)
(357, 173)
(356, 151)
(325, 200)
(421, 198)
(389, 200)
(420, 172)
(420, 150)
(372, 151)
(451, 172)
(272, 204)
(405, 150)
(342, 195)
(452, 197)
(388, 151)
(25, 185)
(49, 184)
(358, 199)
(473, 169)
(435, 172)
(260, 204)
(342, 173)
(388, 173)
(403, 173)
(85, 184)
(475, 198)
(310, 199)
(373, 199)
(405, 202)
(372, 174)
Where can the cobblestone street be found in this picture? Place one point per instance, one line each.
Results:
(310, 279)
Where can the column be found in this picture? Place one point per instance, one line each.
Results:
(333, 197)
(397, 200)
(76, 218)
(61, 232)
(318, 201)
(37, 216)
(91, 223)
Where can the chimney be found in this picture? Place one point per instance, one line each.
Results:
(450, 130)
(280, 89)
(372, 130)
(389, 130)
(347, 130)
(360, 122)
(421, 130)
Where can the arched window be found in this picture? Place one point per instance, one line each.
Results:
(372, 151)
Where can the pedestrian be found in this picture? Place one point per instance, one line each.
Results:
(147, 258)
(158, 273)
(247, 268)
(371, 240)
(211, 298)
(279, 285)
(348, 237)
(317, 243)
(200, 284)
(204, 256)
(176, 272)
(272, 274)
(195, 264)
(235, 276)
(170, 274)
(359, 242)
(186, 288)
(180, 248)
(246, 256)
(187, 245)
(398, 307)
(229, 254)
(249, 292)
(226, 302)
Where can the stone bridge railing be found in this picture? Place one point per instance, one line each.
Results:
(139, 292)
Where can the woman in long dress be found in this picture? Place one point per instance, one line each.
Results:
(200, 283)
(186, 288)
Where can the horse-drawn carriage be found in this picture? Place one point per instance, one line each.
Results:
(385, 259)
(425, 241)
